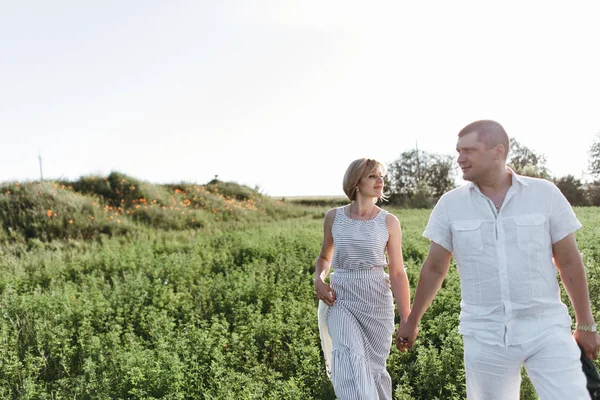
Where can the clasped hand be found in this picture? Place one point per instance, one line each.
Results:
(406, 335)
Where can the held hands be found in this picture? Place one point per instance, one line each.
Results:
(589, 343)
(324, 292)
(406, 335)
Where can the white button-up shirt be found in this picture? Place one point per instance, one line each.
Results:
(509, 285)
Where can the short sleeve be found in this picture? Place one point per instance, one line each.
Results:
(438, 227)
(562, 217)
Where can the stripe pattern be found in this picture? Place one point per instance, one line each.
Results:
(359, 243)
(360, 323)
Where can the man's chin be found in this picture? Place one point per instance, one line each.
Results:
(467, 177)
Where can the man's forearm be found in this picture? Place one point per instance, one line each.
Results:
(575, 283)
(429, 284)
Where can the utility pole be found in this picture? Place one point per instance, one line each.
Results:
(418, 163)
(41, 173)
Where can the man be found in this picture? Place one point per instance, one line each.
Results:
(508, 234)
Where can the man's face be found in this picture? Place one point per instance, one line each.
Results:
(473, 158)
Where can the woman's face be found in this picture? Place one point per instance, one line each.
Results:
(371, 185)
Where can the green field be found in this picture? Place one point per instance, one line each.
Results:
(160, 307)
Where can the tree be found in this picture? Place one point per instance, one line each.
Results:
(404, 174)
(592, 193)
(423, 197)
(440, 174)
(594, 157)
(572, 189)
(525, 161)
(418, 172)
(593, 188)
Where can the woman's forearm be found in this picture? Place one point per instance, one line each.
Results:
(401, 292)
(322, 267)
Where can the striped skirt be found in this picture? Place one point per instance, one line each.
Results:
(356, 334)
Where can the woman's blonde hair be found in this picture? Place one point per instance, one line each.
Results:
(358, 169)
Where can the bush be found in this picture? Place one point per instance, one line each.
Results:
(121, 205)
(48, 211)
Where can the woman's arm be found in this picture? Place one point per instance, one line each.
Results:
(323, 263)
(398, 278)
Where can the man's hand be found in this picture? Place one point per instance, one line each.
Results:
(589, 343)
(406, 335)
(569, 263)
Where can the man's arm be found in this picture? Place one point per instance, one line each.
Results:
(567, 259)
(431, 278)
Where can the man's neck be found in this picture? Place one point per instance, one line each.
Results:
(496, 183)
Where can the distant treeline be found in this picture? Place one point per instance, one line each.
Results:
(318, 202)
(418, 178)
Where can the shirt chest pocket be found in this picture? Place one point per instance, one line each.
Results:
(532, 234)
(466, 237)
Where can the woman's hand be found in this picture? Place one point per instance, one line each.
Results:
(406, 335)
(324, 292)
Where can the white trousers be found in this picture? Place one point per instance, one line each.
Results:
(552, 362)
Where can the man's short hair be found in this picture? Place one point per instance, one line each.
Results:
(489, 132)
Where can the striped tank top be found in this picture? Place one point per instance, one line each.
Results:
(359, 244)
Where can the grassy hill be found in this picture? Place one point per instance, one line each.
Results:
(120, 205)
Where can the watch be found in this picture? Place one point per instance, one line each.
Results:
(586, 327)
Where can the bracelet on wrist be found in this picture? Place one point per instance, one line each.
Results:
(586, 327)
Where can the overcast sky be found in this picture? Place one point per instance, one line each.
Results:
(284, 95)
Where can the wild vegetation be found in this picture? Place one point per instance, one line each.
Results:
(112, 288)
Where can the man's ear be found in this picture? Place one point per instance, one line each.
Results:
(500, 150)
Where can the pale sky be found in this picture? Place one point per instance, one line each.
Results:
(285, 94)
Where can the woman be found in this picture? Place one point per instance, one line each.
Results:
(356, 313)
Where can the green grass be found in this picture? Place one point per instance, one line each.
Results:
(152, 307)
(119, 205)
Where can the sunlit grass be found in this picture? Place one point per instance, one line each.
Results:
(119, 204)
